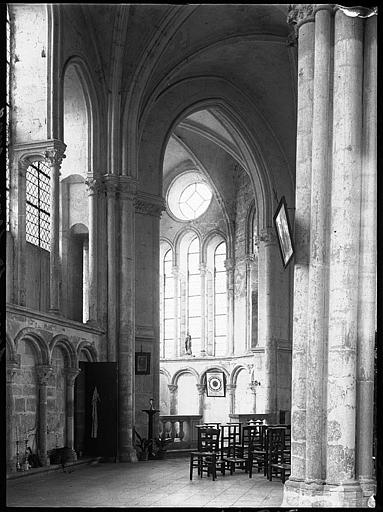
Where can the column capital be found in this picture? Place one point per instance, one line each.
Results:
(52, 151)
(43, 373)
(229, 263)
(93, 185)
(267, 236)
(12, 369)
(127, 187)
(201, 388)
(148, 204)
(110, 182)
(231, 388)
(203, 268)
(250, 259)
(175, 270)
(71, 374)
(298, 14)
(54, 157)
(254, 385)
(172, 388)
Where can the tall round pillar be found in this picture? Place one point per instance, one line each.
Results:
(126, 341)
(93, 186)
(344, 251)
(229, 265)
(301, 16)
(85, 279)
(317, 314)
(11, 438)
(367, 262)
(70, 374)
(43, 374)
(54, 158)
(111, 183)
(268, 298)
(18, 226)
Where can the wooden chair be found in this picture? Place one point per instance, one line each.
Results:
(230, 435)
(235, 458)
(259, 453)
(207, 458)
(277, 463)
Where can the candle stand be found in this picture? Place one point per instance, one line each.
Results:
(150, 413)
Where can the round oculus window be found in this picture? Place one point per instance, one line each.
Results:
(189, 196)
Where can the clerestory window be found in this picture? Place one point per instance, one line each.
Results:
(38, 205)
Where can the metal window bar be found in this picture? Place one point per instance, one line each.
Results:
(38, 203)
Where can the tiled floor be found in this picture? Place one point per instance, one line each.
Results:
(163, 483)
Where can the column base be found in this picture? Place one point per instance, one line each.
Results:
(92, 323)
(128, 455)
(313, 495)
(54, 311)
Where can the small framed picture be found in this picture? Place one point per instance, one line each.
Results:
(283, 229)
(142, 363)
(215, 384)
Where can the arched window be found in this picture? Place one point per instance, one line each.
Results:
(220, 300)
(194, 296)
(38, 205)
(167, 306)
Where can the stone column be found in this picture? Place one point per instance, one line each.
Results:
(43, 374)
(300, 16)
(344, 252)
(268, 246)
(367, 262)
(229, 265)
(111, 184)
(253, 387)
(70, 374)
(202, 270)
(175, 273)
(126, 342)
(12, 368)
(19, 183)
(317, 317)
(93, 186)
(201, 395)
(231, 390)
(173, 409)
(85, 280)
(53, 158)
(249, 302)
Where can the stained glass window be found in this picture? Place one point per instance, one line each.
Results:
(38, 205)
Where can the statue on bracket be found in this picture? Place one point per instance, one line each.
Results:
(188, 344)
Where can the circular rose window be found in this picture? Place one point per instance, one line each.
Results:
(189, 196)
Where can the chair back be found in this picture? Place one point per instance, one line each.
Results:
(208, 439)
(230, 437)
(275, 441)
